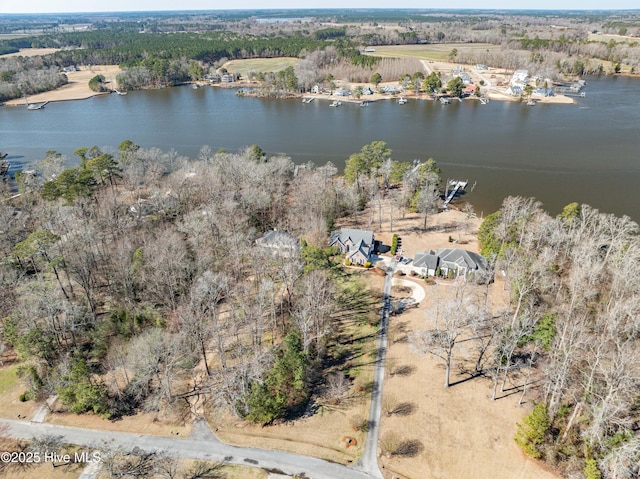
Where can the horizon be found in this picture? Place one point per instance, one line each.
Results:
(59, 7)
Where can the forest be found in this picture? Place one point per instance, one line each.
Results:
(133, 282)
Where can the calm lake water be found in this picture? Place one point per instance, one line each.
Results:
(587, 152)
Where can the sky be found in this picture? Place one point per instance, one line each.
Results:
(59, 6)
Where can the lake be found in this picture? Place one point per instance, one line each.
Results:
(587, 152)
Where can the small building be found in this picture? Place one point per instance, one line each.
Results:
(357, 245)
(279, 242)
(342, 91)
(315, 89)
(480, 66)
(367, 91)
(226, 78)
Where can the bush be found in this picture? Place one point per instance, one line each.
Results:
(394, 244)
(367, 264)
(531, 432)
(25, 396)
(347, 262)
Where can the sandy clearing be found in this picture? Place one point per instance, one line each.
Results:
(77, 88)
(464, 435)
(30, 52)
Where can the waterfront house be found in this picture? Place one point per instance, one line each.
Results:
(357, 245)
(519, 78)
(469, 90)
(466, 79)
(426, 264)
(544, 92)
(451, 263)
(514, 90)
(459, 262)
(226, 78)
(480, 66)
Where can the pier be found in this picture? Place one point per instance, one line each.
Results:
(456, 186)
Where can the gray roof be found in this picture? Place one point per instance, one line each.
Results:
(278, 239)
(354, 235)
(426, 260)
(365, 249)
(464, 258)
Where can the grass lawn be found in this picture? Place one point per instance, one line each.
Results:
(436, 52)
(243, 67)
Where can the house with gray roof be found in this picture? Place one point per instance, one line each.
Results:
(279, 242)
(452, 263)
(426, 264)
(460, 262)
(357, 245)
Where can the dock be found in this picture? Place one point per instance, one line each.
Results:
(308, 99)
(456, 186)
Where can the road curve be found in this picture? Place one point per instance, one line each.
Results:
(209, 450)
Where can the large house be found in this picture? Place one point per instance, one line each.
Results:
(357, 245)
(453, 263)
(279, 242)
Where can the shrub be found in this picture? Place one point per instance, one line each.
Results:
(394, 244)
(531, 432)
(367, 264)
(591, 470)
(347, 262)
(25, 396)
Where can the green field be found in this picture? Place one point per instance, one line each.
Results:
(243, 67)
(435, 52)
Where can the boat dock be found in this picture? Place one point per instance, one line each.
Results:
(308, 99)
(456, 186)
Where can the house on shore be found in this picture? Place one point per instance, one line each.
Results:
(452, 263)
(357, 245)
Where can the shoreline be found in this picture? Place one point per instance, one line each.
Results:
(78, 89)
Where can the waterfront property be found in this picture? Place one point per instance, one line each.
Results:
(452, 263)
(357, 245)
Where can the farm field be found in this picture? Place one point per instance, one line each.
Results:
(244, 67)
(435, 52)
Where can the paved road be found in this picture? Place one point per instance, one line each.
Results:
(369, 460)
(203, 445)
(203, 449)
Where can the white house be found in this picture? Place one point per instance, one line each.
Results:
(519, 78)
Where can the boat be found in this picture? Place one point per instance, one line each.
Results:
(365, 103)
(402, 101)
(308, 99)
(36, 106)
(195, 86)
(335, 103)
(531, 102)
(121, 93)
(445, 101)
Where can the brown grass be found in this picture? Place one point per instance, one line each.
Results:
(143, 423)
